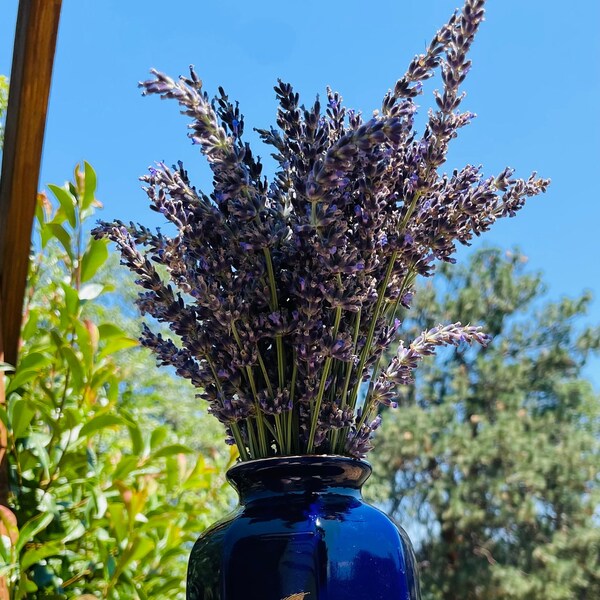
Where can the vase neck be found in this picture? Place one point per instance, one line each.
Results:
(276, 476)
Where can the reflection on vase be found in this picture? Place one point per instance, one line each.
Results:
(302, 531)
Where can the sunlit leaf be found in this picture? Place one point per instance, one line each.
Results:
(76, 368)
(67, 203)
(116, 344)
(21, 414)
(39, 553)
(76, 530)
(158, 436)
(84, 341)
(172, 449)
(93, 258)
(109, 330)
(90, 291)
(71, 300)
(102, 422)
(30, 328)
(141, 548)
(60, 233)
(32, 528)
(21, 378)
(89, 193)
(34, 360)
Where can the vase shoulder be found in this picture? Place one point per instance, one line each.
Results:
(311, 535)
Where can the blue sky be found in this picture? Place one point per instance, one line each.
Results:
(535, 86)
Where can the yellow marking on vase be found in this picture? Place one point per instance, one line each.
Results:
(298, 596)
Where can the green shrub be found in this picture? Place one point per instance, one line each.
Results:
(107, 496)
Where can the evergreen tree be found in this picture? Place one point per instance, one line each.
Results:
(493, 453)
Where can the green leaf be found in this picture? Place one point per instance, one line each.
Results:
(101, 376)
(158, 436)
(34, 360)
(93, 258)
(67, 202)
(75, 366)
(116, 344)
(37, 443)
(31, 324)
(21, 378)
(108, 330)
(32, 528)
(6, 367)
(46, 235)
(124, 467)
(21, 416)
(26, 586)
(172, 449)
(5, 556)
(37, 554)
(76, 530)
(141, 547)
(111, 565)
(40, 214)
(84, 341)
(90, 291)
(115, 339)
(71, 299)
(100, 502)
(137, 439)
(102, 422)
(60, 233)
(89, 193)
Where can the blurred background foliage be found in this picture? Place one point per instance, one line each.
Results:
(491, 462)
(114, 471)
(491, 459)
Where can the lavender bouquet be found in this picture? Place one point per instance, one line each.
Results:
(283, 296)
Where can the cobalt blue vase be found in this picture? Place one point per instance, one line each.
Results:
(302, 532)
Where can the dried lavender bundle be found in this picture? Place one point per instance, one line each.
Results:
(282, 297)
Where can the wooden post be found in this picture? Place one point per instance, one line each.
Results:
(33, 58)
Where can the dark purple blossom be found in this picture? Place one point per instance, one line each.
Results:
(281, 295)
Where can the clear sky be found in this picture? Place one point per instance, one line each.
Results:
(535, 86)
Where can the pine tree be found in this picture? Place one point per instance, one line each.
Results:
(493, 453)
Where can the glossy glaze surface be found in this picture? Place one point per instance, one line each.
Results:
(302, 532)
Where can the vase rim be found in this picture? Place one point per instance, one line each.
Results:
(298, 474)
(300, 458)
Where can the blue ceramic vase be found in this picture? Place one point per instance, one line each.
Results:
(302, 532)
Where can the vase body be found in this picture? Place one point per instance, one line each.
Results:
(302, 532)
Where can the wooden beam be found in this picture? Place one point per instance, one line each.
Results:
(30, 77)
(33, 57)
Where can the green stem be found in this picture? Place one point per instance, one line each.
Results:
(251, 439)
(263, 368)
(350, 364)
(380, 298)
(376, 313)
(270, 428)
(235, 430)
(368, 407)
(317, 405)
(336, 433)
(279, 433)
(239, 440)
(290, 413)
(262, 439)
(275, 306)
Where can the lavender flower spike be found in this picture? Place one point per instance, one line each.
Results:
(278, 297)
